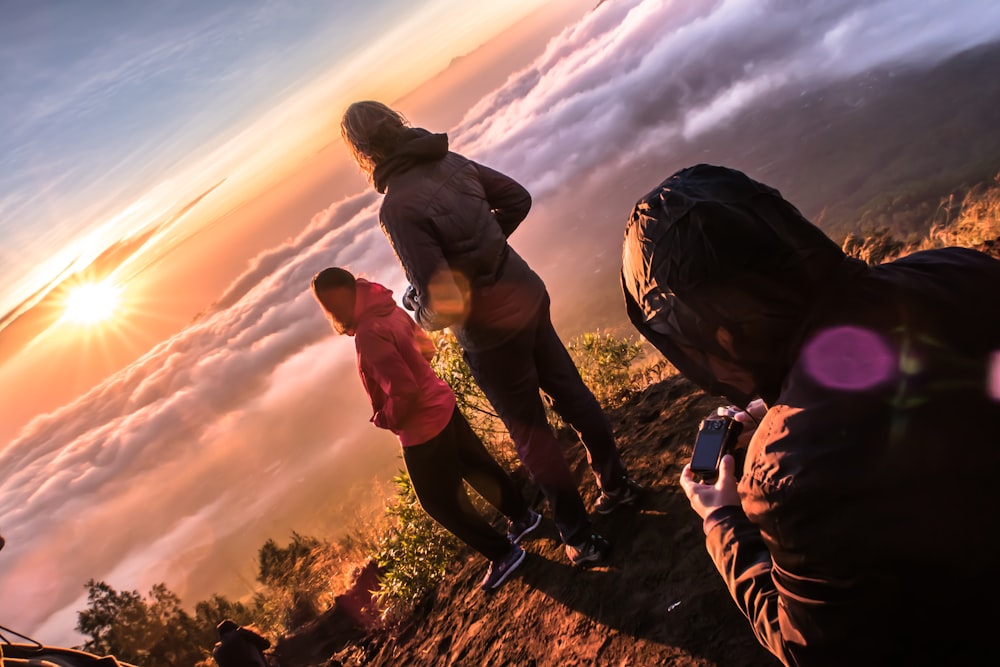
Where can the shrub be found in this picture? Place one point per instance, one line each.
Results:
(605, 364)
(414, 551)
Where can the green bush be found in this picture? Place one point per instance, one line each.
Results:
(414, 552)
(605, 364)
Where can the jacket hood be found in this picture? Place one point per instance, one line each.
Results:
(720, 273)
(418, 146)
(371, 300)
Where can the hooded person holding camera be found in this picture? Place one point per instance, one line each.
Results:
(862, 528)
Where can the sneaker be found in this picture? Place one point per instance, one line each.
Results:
(627, 495)
(516, 530)
(502, 568)
(594, 548)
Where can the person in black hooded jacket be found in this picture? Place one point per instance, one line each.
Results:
(862, 529)
(448, 219)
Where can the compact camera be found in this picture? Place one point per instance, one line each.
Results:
(716, 437)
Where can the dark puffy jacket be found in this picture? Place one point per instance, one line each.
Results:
(868, 531)
(448, 219)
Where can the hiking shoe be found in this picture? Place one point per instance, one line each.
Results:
(502, 568)
(516, 530)
(626, 495)
(594, 548)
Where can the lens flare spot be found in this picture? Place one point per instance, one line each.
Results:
(994, 386)
(849, 358)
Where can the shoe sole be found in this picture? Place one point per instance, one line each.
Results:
(516, 539)
(627, 502)
(595, 558)
(506, 575)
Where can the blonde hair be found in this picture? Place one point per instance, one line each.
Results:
(371, 131)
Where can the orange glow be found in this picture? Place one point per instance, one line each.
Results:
(92, 303)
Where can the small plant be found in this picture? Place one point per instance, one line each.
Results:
(414, 552)
(449, 365)
(977, 221)
(605, 364)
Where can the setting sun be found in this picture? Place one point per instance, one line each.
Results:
(91, 303)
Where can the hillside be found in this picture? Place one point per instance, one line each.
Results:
(659, 601)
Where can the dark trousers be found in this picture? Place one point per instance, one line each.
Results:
(437, 469)
(511, 376)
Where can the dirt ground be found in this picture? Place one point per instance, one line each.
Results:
(658, 601)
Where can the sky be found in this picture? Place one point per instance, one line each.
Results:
(189, 153)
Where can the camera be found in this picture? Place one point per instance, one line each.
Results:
(716, 437)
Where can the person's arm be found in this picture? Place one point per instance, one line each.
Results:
(438, 300)
(387, 368)
(739, 554)
(508, 199)
(424, 343)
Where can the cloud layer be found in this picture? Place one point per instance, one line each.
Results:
(236, 429)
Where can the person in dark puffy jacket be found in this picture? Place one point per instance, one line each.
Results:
(448, 219)
(239, 646)
(862, 529)
(440, 449)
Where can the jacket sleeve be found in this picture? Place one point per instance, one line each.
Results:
(386, 367)
(424, 343)
(509, 200)
(744, 562)
(439, 301)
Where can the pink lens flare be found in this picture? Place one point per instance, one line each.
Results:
(994, 376)
(849, 358)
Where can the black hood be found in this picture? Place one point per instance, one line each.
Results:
(418, 146)
(720, 273)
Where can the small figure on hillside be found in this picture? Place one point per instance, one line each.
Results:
(440, 449)
(862, 528)
(239, 646)
(448, 219)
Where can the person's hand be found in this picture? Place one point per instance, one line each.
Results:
(749, 418)
(705, 498)
(410, 300)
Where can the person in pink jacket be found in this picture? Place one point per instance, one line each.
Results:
(440, 449)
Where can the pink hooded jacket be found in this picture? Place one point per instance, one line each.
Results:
(407, 397)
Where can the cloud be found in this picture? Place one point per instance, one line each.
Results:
(211, 423)
(630, 70)
(244, 424)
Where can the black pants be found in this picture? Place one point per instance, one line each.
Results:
(437, 469)
(511, 375)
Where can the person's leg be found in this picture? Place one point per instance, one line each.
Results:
(436, 475)
(507, 376)
(485, 475)
(575, 403)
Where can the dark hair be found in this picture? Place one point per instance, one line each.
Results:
(332, 278)
(371, 131)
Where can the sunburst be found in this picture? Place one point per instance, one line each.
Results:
(92, 303)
